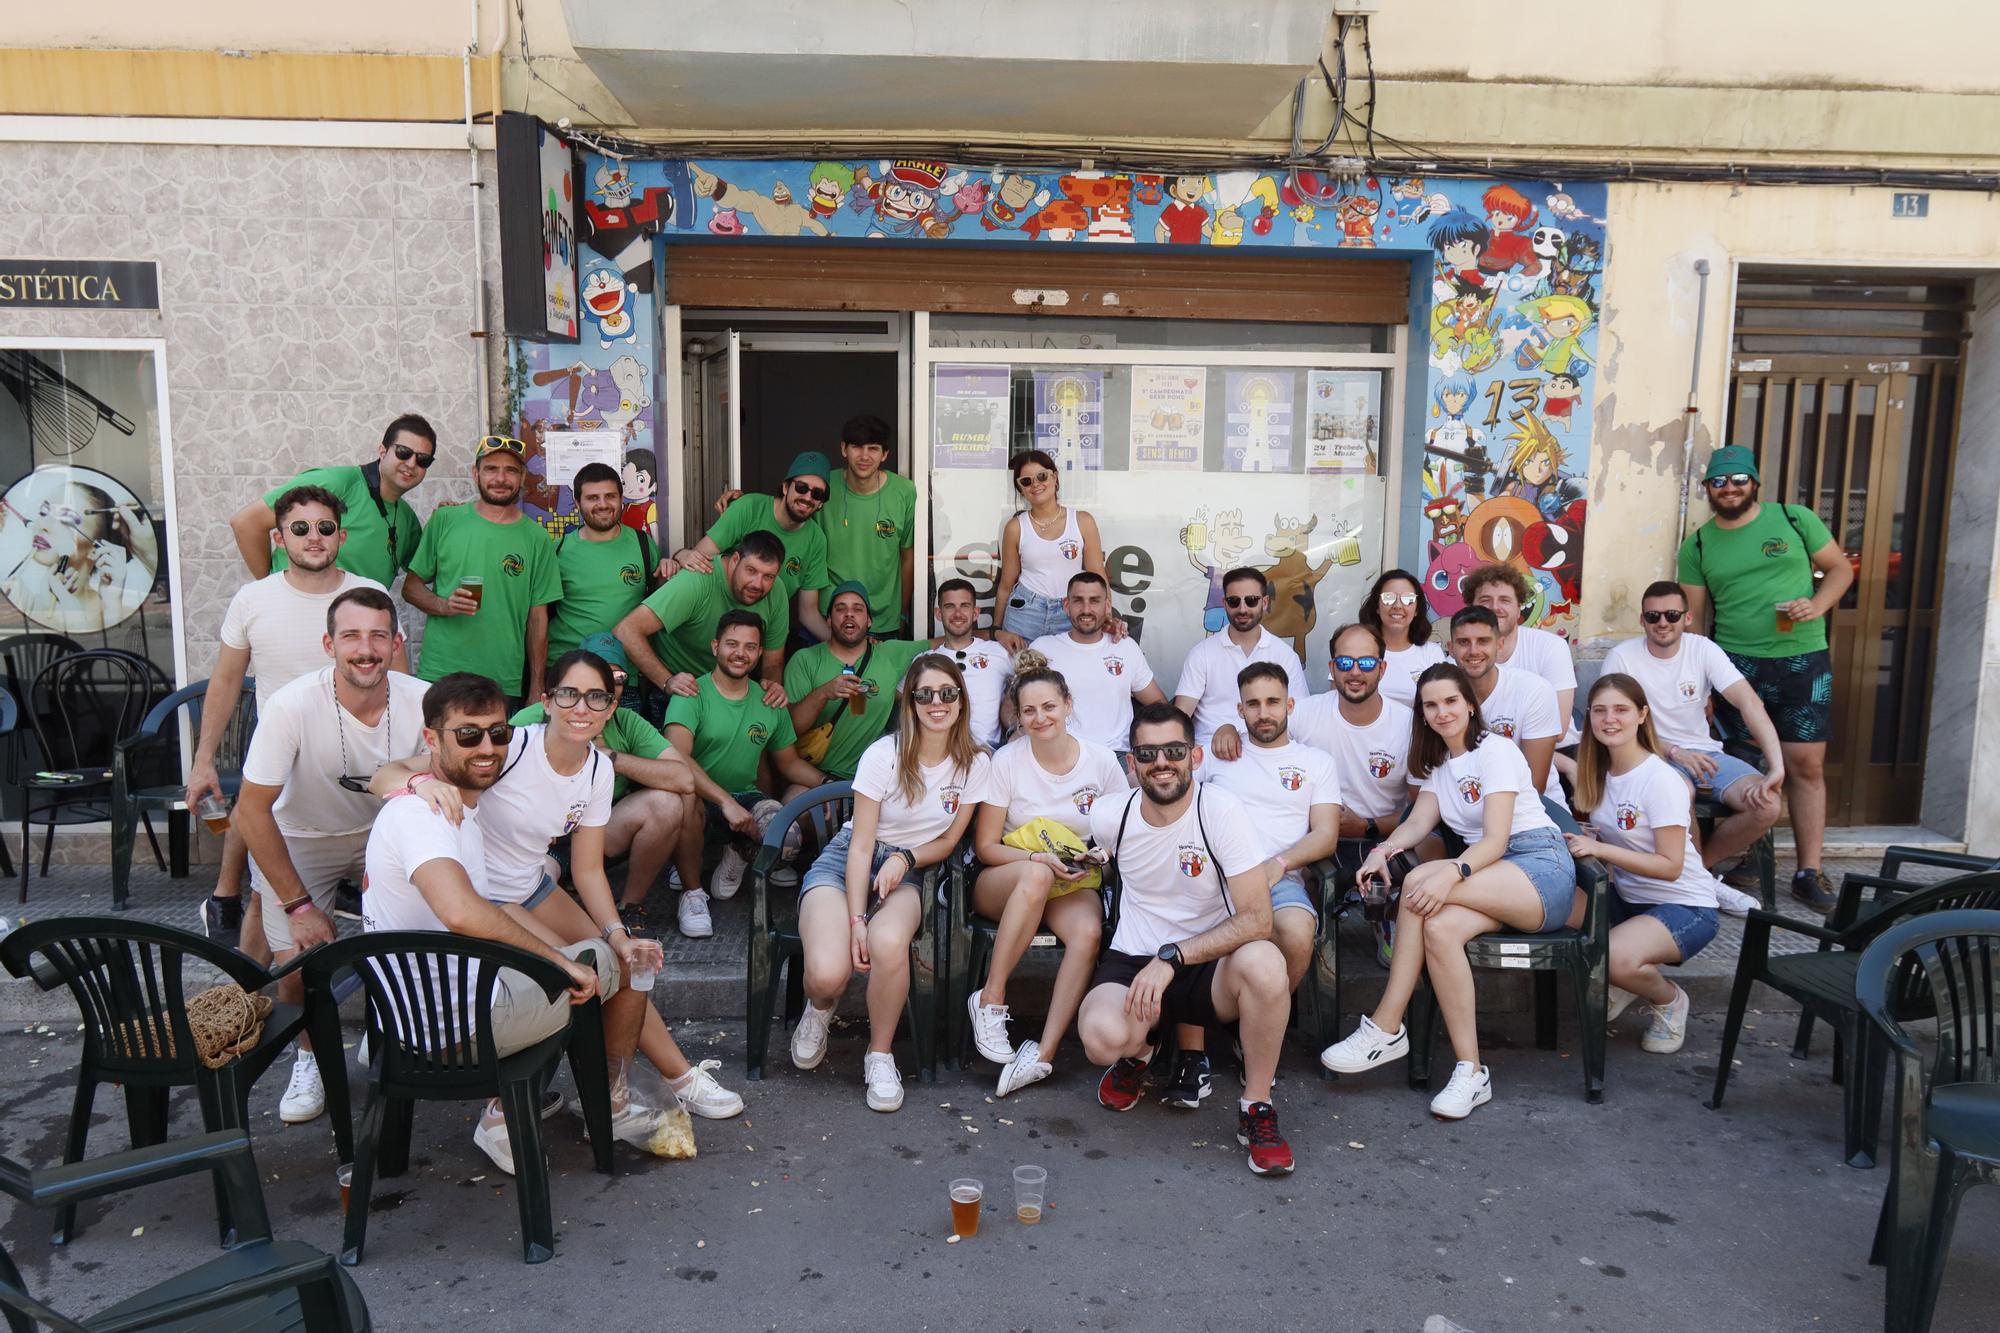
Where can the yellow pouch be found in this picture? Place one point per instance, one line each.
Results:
(1042, 834)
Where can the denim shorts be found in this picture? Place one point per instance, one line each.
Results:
(541, 893)
(1291, 892)
(829, 868)
(1544, 858)
(1031, 615)
(1691, 927)
(1729, 770)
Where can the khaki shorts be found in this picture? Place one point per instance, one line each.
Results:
(523, 1013)
(321, 863)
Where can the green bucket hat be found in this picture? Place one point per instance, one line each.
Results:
(1731, 458)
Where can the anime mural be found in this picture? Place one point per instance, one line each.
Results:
(1510, 335)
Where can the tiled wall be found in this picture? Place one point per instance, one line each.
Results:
(307, 297)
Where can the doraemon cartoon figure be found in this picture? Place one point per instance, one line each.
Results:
(607, 301)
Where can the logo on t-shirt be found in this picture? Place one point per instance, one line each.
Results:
(1774, 547)
(977, 663)
(1115, 665)
(792, 565)
(1628, 817)
(572, 818)
(1291, 779)
(1084, 797)
(1687, 690)
(948, 798)
(630, 576)
(1380, 763)
(1068, 549)
(1468, 790)
(1501, 725)
(512, 565)
(759, 732)
(1192, 862)
(885, 528)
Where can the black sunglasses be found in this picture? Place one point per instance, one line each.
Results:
(300, 527)
(1233, 602)
(1345, 663)
(1733, 479)
(500, 733)
(1175, 752)
(817, 494)
(1655, 617)
(566, 696)
(925, 694)
(404, 453)
(354, 784)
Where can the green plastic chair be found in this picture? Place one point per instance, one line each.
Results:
(1947, 1108)
(133, 799)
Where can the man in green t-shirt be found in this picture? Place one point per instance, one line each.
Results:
(849, 681)
(727, 729)
(870, 519)
(669, 635)
(606, 568)
(790, 517)
(1772, 574)
(382, 529)
(497, 623)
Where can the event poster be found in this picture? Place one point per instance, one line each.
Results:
(969, 416)
(1343, 420)
(1168, 429)
(1259, 421)
(1069, 418)
(566, 452)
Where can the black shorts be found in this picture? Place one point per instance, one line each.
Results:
(1796, 691)
(1189, 997)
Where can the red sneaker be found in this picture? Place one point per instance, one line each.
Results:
(1121, 1085)
(1257, 1130)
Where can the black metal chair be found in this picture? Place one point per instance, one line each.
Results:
(1823, 983)
(1947, 1108)
(133, 800)
(23, 657)
(261, 1284)
(131, 981)
(777, 954)
(1335, 880)
(430, 1038)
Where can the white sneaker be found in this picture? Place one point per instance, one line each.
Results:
(809, 1037)
(1735, 902)
(885, 1083)
(1669, 1029)
(989, 1028)
(1026, 1067)
(491, 1138)
(305, 1095)
(1616, 1001)
(728, 876)
(1367, 1047)
(1471, 1085)
(696, 924)
(704, 1097)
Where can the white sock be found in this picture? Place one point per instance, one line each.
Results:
(681, 1081)
(1244, 1104)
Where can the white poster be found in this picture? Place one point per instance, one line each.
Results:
(564, 452)
(558, 234)
(1343, 420)
(1259, 432)
(1168, 429)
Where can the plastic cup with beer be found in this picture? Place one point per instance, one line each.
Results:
(214, 812)
(859, 703)
(473, 586)
(966, 1197)
(345, 1176)
(1030, 1184)
(1785, 622)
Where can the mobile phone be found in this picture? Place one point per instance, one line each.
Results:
(46, 776)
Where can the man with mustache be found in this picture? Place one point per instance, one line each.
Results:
(304, 809)
(502, 627)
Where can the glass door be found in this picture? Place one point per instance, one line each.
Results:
(713, 460)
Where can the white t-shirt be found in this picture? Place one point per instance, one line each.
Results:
(1548, 656)
(1652, 796)
(1029, 791)
(1677, 688)
(532, 805)
(1402, 666)
(1170, 887)
(987, 668)
(1102, 679)
(913, 823)
(1208, 676)
(299, 743)
(408, 835)
(1522, 707)
(1046, 565)
(1372, 763)
(1462, 785)
(1281, 783)
(282, 628)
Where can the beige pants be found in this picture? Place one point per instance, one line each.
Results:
(523, 1013)
(321, 863)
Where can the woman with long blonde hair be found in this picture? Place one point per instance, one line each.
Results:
(860, 905)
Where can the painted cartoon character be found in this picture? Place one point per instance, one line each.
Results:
(1535, 461)
(606, 295)
(619, 229)
(1560, 394)
(826, 188)
(906, 198)
(636, 478)
(1183, 220)
(1357, 221)
(1547, 243)
(1454, 437)
(1113, 220)
(1410, 207)
(1578, 261)
(1082, 210)
(1554, 342)
(1224, 543)
(777, 212)
(1564, 207)
(1240, 201)
(1293, 612)
(1447, 519)
(1462, 331)
(1459, 239)
(1012, 201)
(1447, 567)
(1511, 217)
(726, 222)
(1554, 547)
(628, 377)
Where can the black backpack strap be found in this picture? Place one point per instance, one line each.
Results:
(524, 753)
(1123, 819)
(647, 560)
(1221, 875)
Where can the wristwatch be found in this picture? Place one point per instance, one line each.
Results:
(1464, 870)
(616, 925)
(1170, 954)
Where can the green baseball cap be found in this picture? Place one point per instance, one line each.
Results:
(1732, 458)
(811, 463)
(607, 647)
(854, 586)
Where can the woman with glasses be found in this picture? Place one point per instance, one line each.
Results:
(1515, 874)
(861, 903)
(1030, 836)
(1395, 608)
(1041, 545)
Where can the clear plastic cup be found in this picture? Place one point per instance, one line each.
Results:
(214, 813)
(345, 1176)
(1030, 1184)
(643, 978)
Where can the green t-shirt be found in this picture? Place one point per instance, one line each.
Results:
(813, 667)
(866, 536)
(1749, 570)
(379, 542)
(518, 562)
(689, 604)
(731, 735)
(625, 732)
(805, 549)
(601, 583)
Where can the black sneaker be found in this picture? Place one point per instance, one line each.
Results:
(1242, 1069)
(1192, 1081)
(222, 920)
(347, 900)
(1812, 888)
(634, 917)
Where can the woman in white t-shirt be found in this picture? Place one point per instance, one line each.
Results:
(861, 903)
(1663, 909)
(1041, 545)
(1515, 873)
(1045, 773)
(1395, 608)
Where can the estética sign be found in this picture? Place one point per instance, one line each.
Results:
(80, 284)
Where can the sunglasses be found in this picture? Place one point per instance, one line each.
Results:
(1024, 481)
(500, 733)
(353, 783)
(567, 696)
(1397, 599)
(1349, 663)
(1234, 602)
(404, 453)
(817, 494)
(1733, 479)
(300, 527)
(1655, 617)
(926, 694)
(498, 444)
(1173, 752)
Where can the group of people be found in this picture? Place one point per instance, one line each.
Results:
(485, 793)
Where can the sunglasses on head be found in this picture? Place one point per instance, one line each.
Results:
(500, 444)
(500, 733)
(1234, 602)
(1397, 599)
(300, 527)
(1733, 479)
(817, 494)
(1655, 617)
(567, 696)
(926, 694)
(1173, 752)
(404, 453)
(1344, 663)
(1025, 480)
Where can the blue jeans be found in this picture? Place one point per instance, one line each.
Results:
(1729, 770)
(1031, 615)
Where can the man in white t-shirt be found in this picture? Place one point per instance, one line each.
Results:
(1106, 676)
(986, 666)
(271, 631)
(1208, 689)
(1680, 672)
(1516, 704)
(1193, 943)
(304, 809)
(1506, 591)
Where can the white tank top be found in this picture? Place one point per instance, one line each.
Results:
(1046, 565)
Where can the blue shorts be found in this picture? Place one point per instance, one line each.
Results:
(1729, 770)
(1691, 927)
(1544, 858)
(1031, 615)
(541, 893)
(829, 868)
(1291, 892)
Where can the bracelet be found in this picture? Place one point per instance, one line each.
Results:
(857, 919)
(1284, 866)
(294, 908)
(415, 778)
(615, 925)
